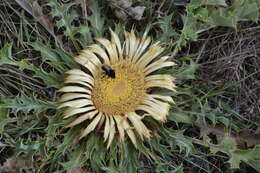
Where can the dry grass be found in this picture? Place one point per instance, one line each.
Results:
(233, 58)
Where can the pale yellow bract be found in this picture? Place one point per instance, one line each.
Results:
(118, 105)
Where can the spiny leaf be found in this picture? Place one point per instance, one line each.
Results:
(244, 155)
(179, 169)
(244, 139)
(27, 104)
(69, 138)
(209, 2)
(229, 146)
(129, 157)
(188, 71)
(62, 11)
(167, 32)
(47, 54)
(175, 138)
(95, 151)
(65, 20)
(96, 20)
(183, 142)
(54, 123)
(181, 117)
(249, 11)
(6, 55)
(158, 147)
(86, 37)
(77, 159)
(30, 148)
(223, 17)
(51, 79)
(229, 16)
(125, 159)
(4, 115)
(54, 57)
(200, 18)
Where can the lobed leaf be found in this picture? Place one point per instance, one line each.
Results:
(27, 104)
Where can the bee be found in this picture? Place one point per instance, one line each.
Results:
(108, 71)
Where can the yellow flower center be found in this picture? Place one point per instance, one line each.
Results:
(122, 94)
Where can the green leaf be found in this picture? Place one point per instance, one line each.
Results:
(184, 142)
(4, 116)
(54, 57)
(95, 151)
(250, 156)
(77, 159)
(96, 20)
(200, 13)
(158, 147)
(69, 140)
(229, 146)
(175, 138)
(188, 71)
(249, 11)
(51, 79)
(54, 123)
(209, 2)
(167, 166)
(86, 37)
(224, 17)
(27, 104)
(129, 157)
(179, 169)
(122, 157)
(65, 19)
(240, 155)
(166, 32)
(76, 34)
(47, 54)
(181, 117)
(6, 55)
(255, 163)
(30, 148)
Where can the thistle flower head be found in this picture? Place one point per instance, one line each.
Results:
(112, 91)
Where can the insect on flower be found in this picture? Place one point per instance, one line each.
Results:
(108, 71)
(117, 104)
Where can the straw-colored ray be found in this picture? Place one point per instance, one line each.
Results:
(119, 105)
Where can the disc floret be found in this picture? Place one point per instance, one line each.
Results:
(117, 103)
